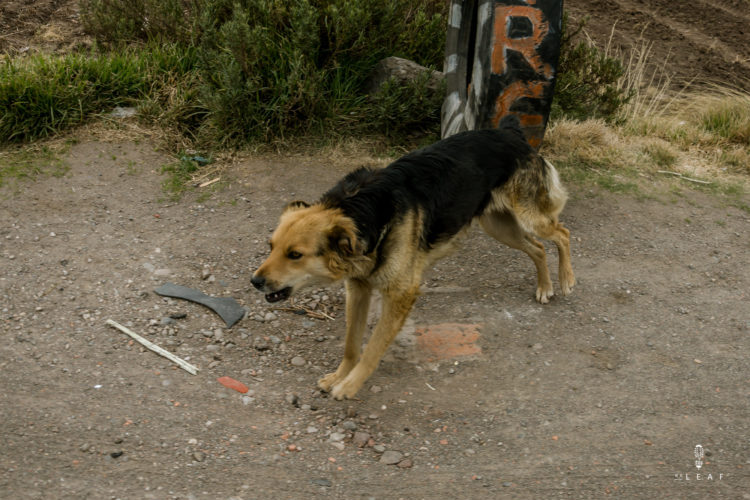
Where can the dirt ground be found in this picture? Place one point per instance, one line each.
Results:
(707, 41)
(605, 392)
(486, 394)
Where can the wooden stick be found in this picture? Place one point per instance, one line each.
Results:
(306, 310)
(208, 183)
(682, 176)
(155, 348)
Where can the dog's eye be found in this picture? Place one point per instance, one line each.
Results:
(294, 255)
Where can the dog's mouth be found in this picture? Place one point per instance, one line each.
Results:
(282, 294)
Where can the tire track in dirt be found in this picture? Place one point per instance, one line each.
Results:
(711, 31)
(706, 41)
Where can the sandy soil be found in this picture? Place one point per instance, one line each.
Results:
(607, 391)
(485, 394)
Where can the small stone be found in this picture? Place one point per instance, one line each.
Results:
(292, 399)
(322, 482)
(116, 454)
(199, 456)
(337, 436)
(167, 321)
(123, 112)
(537, 346)
(376, 389)
(406, 463)
(349, 425)
(246, 400)
(507, 484)
(218, 334)
(269, 316)
(391, 457)
(360, 439)
(312, 430)
(85, 447)
(192, 441)
(274, 339)
(379, 448)
(298, 361)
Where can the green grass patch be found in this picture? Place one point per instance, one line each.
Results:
(29, 163)
(45, 94)
(179, 174)
(729, 118)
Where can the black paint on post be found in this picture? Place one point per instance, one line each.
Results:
(501, 58)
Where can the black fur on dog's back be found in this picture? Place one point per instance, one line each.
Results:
(450, 181)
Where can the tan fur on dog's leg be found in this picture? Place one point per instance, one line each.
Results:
(503, 227)
(396, 307)
(358, 296)
(560, 236)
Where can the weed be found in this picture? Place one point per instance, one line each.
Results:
(728, 117)
(178, 175)
(28, 163)
(42, 95)
(660, 154)
(587, 81)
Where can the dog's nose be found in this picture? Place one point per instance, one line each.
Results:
(258, 282)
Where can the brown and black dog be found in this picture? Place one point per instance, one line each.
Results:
(380, 229)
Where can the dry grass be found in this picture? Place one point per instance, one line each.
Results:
(700, 133)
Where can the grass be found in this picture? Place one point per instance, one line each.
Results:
(700, 133)
(247, 78)
(27, 163)
(43, 95)
(178, 175)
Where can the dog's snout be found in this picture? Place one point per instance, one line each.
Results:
(258, 282)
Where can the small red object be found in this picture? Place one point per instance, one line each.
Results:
(231, 383)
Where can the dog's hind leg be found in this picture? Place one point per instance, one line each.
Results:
(396, 307)
(358, 296)
(504, 227)
(553, 230)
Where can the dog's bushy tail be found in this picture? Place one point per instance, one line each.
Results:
(557, 195)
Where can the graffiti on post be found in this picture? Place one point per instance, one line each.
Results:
(501, 58)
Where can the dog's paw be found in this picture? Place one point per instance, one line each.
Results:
(328, 381)
(344, 391)
(544, 293)
(567, 283)
(347, 388)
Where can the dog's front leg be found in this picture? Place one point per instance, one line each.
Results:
(396, 307)
(358, 296)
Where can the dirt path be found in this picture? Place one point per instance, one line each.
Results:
(705, 41)
(607, 391)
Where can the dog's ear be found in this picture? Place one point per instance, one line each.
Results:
(295, 205)
(343, 241)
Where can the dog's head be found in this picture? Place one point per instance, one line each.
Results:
(312, 246)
